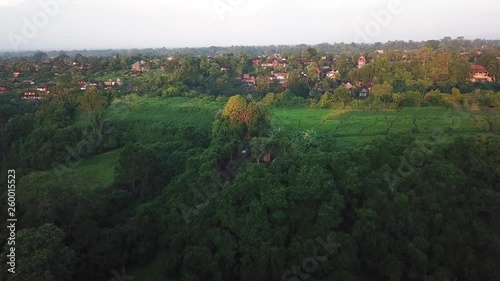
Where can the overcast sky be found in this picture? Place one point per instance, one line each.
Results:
(103, 24)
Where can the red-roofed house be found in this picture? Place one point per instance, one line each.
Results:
(479, 73)
(361, 62)
(279, 76)
(139, 65)
(3, 89)
(267, 64)
(44, 88)
(31, 95)
(108, 85)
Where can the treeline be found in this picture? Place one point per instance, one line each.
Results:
(383, 97)
(459, 42)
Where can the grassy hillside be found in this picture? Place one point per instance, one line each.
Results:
(93, 173)
(151, 120)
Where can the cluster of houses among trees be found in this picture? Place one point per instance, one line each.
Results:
(306, 73)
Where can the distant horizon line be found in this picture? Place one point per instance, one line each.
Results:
(230, 46)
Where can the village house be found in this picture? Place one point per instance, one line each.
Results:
(12, 81)
(334, 74)
(108, 85)
(3, 89)
(265, 65)
(256, 60)
(479, 73)
(45, 88)
(28, 82)
(348, 86)
(364, 93)
(82, 82)
(16, 74)
(247, 79)
(31, 95)
(139, 65)
(279, 76)
(326, 69)
(361, 62)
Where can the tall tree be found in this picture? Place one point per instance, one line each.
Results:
(42, 255)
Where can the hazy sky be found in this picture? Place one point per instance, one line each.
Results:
(103, 24)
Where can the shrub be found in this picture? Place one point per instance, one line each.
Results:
(411, 99)
(326, 101)
(434, 98)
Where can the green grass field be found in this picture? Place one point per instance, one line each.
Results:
(145, 118)
(93, 173)
(350, 128)
(361, 123)
(151, 120)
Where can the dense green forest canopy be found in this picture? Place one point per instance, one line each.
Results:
(183, 173)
